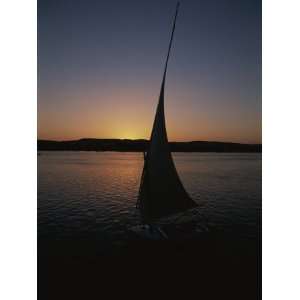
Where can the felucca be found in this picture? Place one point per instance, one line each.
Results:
(161, 192)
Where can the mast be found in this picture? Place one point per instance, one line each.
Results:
(161, 192)
(162, 89)
(171, 40)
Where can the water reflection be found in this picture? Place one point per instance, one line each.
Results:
(94, 193)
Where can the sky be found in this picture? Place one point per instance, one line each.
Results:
(100, 66)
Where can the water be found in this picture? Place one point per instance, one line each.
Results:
(92, 195)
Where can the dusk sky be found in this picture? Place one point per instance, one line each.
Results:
(100, 66)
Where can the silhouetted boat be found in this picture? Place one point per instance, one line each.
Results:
(161, 192)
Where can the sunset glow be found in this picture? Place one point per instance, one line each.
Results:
(101, 79)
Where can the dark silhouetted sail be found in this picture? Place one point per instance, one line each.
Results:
(161, 191)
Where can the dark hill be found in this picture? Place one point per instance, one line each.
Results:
(141, 145)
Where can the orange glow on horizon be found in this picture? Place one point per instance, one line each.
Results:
(127, 113)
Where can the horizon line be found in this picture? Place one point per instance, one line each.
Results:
(143, 139)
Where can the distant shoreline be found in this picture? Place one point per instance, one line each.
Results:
(90, 144)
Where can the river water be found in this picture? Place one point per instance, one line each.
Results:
(92, 195)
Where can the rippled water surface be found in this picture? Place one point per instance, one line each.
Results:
(93, 194)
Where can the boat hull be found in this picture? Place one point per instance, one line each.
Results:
(149, 232)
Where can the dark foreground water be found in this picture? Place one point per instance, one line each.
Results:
(86, 208)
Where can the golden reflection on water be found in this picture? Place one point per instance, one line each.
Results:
(84, 192)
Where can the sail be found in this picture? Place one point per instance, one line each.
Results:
(161, 191)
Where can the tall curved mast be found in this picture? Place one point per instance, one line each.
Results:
(161, 191)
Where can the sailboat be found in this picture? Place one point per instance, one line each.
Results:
(161, 192)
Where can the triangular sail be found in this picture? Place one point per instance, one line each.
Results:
(161, 191)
